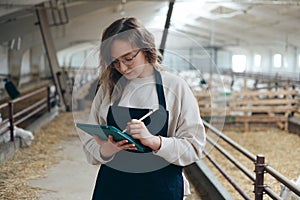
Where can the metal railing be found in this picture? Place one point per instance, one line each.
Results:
(14, 117)
(260, 168)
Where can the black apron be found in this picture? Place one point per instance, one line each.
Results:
(139, 176)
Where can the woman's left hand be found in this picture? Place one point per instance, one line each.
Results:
(138, 130)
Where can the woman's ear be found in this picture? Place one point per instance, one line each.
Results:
(148, 55)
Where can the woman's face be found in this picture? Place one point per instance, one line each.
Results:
(129, 61)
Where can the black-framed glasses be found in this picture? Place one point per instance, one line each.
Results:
(125, 60)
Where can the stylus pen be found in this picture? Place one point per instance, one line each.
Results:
(142, 118)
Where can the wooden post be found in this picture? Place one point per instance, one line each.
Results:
(286, 123)
(246, 122)
(64, 97)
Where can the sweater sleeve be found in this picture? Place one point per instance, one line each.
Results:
(185, 146)
(90, 147)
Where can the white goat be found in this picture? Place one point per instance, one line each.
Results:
(26, 135)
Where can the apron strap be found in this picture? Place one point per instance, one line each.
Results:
(160, 89)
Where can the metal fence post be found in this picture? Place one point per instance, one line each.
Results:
(11, 120)
(48, 99)
(259, 177)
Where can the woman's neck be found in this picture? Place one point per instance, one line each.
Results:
(148, 71)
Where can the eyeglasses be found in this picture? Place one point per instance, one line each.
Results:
(125, 60)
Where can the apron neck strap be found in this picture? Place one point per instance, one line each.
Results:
(160, 89)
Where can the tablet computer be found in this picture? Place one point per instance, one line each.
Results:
(104, 131)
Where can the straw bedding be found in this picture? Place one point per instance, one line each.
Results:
(32, 162)
(281, 151)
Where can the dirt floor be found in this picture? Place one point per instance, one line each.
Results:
(281, 151)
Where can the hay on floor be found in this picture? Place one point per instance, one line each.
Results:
(281, 151)
(33, 161)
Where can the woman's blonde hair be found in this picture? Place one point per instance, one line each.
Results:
(128, 29)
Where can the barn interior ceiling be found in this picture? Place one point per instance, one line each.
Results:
(214, 23)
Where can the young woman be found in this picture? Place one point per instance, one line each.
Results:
(132, 84)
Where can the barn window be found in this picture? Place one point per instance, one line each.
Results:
(277, 60)
(257, 60)
(238, 63)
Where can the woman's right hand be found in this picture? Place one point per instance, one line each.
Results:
(111, 147)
